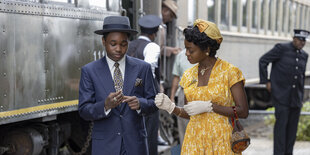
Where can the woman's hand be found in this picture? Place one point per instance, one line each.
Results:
(163, 102)
(198, 107)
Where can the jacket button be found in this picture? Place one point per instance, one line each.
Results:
(293, 86)
(118, 133)
(296, 67)
(297, 59)
(295, 77)
(121, 116)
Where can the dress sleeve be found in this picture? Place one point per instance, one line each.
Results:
(235, 76)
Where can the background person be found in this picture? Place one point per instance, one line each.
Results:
(210, 87)
(168, 52)
(181, 64)
(286, 85)
(146, 49)
(116, 92)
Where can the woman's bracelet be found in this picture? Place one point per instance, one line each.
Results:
(180, 112)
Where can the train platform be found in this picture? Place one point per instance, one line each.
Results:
(258, 146)
(264, 146)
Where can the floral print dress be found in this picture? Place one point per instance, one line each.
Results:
(210, 133)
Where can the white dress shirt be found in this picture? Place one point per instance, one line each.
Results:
(122, 65)
(151, 53)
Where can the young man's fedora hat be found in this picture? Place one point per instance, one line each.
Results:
(116, 24)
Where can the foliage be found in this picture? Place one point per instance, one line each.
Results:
(303, 132)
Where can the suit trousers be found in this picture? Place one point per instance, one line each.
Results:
(152, 122)
(285, 128)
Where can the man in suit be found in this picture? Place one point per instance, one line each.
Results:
(145, 49)
(116, 93)
(286, 85)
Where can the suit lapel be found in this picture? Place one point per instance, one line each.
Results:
(130, 75)
(106, 80)
(129, 79)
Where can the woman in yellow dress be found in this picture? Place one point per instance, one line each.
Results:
(211, 88)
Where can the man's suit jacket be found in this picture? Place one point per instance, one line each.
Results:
(122, 123)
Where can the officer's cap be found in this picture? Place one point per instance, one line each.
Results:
(301, 34)
(149, 24)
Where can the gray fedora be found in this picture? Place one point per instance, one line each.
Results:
(116, 24)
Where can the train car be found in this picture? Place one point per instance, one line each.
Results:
(43, 45)
(250, 28)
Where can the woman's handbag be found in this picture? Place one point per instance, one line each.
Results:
(240, 139)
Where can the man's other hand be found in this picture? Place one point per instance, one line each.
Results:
(132, 101)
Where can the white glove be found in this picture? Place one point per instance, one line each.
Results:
(163, 102)
(198, 107)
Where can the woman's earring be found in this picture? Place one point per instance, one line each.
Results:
(207, 53)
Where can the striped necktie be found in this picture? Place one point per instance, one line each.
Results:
(118, 80)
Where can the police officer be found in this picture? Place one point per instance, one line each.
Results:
(286, 85)
(144, 48)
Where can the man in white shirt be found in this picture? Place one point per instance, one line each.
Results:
(145, 49)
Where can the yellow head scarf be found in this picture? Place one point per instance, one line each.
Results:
(210, 29)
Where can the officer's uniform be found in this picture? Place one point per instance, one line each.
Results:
(287, 88)
(143, 48)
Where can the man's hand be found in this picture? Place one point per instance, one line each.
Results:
(268, 86)
(132, 101)
(163, 102)
(176, 50)
(113, 100)
(198, 107)
(172, 50)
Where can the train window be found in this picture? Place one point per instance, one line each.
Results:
(244, 13)
(263, 14)
(224, 13)
(191, 11)
(292, 16)
(284, 16)
(276, 18)
(302, 16)
(254, 14)
(211, 10)
(270, 15)
(234, 12)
